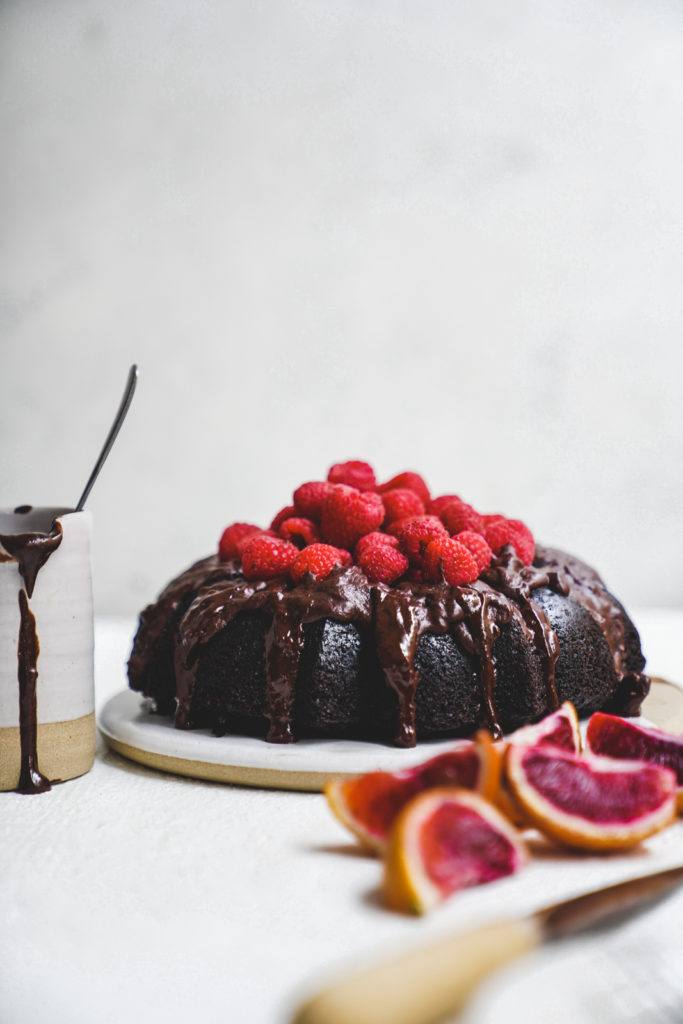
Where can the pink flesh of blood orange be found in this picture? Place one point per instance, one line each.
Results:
(590, 801)
(445, 840)
(619, 738)
(559, 729)
(459, 849)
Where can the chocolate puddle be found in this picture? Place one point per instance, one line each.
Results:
(398, 617)
(30, 551)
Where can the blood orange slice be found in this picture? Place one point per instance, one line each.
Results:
(559, 729)
(587, 801)
(369, 805)
(444, 840)
(617, 737)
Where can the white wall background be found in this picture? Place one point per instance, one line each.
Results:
(441, 235)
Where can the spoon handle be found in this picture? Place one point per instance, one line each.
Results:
(111, 436)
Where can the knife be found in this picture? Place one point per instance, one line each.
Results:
(424, 985)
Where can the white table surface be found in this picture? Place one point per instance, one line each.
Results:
(130, 895)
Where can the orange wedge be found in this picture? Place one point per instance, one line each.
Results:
(559, 729)
(445, 840)
(369, 804)
(621, 738)
(590, 802)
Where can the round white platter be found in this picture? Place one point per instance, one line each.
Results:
(131, 730)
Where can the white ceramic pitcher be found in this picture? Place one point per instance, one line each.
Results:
(62, 606)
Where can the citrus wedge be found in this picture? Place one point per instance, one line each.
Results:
(559, 729)
(369, 804)
(445, 840)
(590, 802)
(620, 738)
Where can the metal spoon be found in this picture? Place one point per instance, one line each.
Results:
(112, 435)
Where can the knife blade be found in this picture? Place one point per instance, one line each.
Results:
(423, 985)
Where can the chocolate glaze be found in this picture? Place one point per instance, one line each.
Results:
(583, 585)
(403, 613)
(155, 617)
(343, 596)
(30, 551)
(398, 617)
(517, 582)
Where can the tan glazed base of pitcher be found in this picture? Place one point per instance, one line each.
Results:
(65, 750)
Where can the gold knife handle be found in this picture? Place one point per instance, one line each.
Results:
(423, 985)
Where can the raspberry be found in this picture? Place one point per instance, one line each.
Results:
(245, 540)
(308, 499)
(493, 517)
(409, 480)
(477, 546)
(382, 563)
(285, 513)
(437, 505)
(230, 538)
(401, 502)
(300, 531)
(415, 533)
(458, 516)
(525, 544)
(264, 558)
(317, 560)
(450, 560)
(369, 540)
(514, 532)
(396, 528)
(347, 515)
(354, 474)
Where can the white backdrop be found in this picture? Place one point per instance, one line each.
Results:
(443, 236)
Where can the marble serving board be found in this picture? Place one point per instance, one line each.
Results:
(131, 730)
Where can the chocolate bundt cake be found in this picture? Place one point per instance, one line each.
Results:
(459, 639)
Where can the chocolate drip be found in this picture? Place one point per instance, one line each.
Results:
(30, 551)
(31, 779)
(399, 618)
(517, 581)
(583, 585)
(343, 596)
(632, 690)
(402, 614)
(284, 644)
(484, 612)
(155, 617)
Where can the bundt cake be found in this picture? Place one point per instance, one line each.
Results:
(376, 612)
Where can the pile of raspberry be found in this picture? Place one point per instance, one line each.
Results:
(393, 531)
